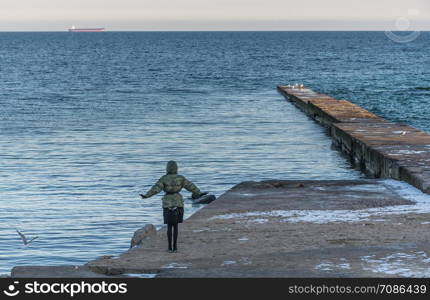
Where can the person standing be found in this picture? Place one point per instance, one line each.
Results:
(173, 204)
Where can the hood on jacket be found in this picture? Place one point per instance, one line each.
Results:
(172, 167)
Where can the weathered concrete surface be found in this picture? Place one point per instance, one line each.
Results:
(54, 272)
(381, 148)
(387, 150)
(291, 229)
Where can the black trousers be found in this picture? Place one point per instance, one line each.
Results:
(172, 232)
(172, 217)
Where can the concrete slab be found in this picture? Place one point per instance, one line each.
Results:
(292, 229)
(68, 271)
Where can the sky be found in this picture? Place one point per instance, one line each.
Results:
(120, 15)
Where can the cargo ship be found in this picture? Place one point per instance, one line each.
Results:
(74, 29)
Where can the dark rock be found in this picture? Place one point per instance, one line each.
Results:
(106, 257)
(142, 234)
(206, 199)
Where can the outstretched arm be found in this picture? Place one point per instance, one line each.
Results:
(158, 187)
(191, 187)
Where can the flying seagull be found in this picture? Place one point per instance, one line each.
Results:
(24, 239)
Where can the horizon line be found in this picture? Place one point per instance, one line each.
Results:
(226, 30)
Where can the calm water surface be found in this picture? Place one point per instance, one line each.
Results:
(87, 121)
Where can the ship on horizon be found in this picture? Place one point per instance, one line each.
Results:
(74, 29)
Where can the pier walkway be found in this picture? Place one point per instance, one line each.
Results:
(381, 148)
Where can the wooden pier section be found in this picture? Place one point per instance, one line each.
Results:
(381, 148)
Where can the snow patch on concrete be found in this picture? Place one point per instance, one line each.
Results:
(175, 265)
(399, 152)
(341, 264)
(248, 194)
(367, 188)
(408, 192)
(258, 221)
(136, 275)
(245, 261)
(412, 264)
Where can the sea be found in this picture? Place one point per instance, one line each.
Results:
(89, 120)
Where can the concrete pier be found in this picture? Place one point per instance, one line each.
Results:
(381, 148)
(364, 228)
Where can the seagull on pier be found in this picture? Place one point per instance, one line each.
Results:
(24, 239)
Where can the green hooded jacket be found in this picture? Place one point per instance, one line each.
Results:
(172, 184)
